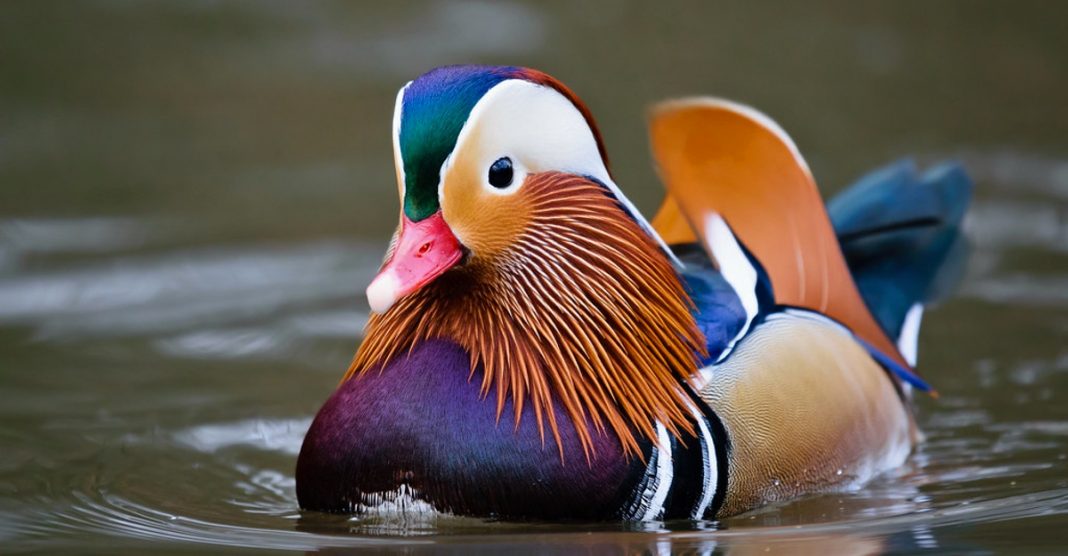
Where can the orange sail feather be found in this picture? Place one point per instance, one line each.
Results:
(717, 157)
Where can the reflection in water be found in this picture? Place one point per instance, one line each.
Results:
(100, 235)
(283, 435)
(158, 294)
(193, 197)
(265, 342)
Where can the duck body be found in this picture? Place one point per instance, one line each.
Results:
(559, 357)
(422, 423)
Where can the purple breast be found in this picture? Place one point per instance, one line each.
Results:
(421, 423)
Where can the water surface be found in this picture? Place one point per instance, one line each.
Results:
(194, 195)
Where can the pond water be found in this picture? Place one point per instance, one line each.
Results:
(194, 195)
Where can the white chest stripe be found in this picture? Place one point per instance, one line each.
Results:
(665, 474)
(648, 503)
(711, 467)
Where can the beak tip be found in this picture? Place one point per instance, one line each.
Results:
(382, 292)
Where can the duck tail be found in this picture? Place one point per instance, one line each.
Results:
(900, 233)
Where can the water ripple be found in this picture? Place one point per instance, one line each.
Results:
(274, 435)
(148, 295)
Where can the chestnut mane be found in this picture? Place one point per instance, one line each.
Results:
(583, 309)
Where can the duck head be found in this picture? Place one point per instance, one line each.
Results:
(466, 140)
(515, 244)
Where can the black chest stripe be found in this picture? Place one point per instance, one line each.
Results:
(649, 498)
(688, 469)
(695, 473)
(711, 477)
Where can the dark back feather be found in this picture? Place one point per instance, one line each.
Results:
(900, 232)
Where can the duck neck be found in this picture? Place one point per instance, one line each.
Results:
(582, 309)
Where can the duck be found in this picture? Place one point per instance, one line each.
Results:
(539, 350)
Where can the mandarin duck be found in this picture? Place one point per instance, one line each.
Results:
(540, 350)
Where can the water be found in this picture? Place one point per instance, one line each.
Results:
(193, 196)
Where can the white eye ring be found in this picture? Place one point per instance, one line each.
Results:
(503, 176)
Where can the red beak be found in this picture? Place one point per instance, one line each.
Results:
(425, 250)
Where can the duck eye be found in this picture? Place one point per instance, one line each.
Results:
(500, 173)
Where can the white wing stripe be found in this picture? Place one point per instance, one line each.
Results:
(735, 267)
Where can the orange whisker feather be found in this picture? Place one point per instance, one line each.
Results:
(582, 309)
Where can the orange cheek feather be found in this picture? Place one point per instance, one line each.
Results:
(485, 222)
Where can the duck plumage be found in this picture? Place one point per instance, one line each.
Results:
(578, 305)
(540, 350)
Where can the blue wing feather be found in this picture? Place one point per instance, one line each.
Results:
(717, 308)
